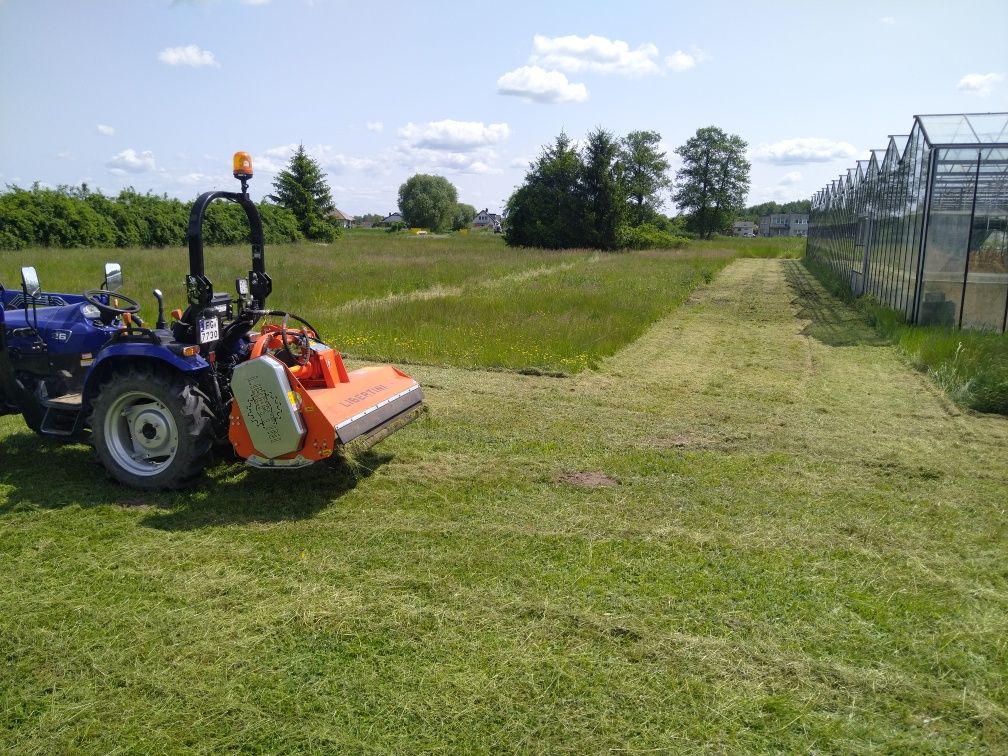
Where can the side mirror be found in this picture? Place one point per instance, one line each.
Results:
(29, 281)
(113, 277)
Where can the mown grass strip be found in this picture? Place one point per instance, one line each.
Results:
(970, 366)
(805, 553)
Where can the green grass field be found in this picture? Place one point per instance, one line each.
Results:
(746, 524)
(464, 300)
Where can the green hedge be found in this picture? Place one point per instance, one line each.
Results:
(649, 236)
(78, 217)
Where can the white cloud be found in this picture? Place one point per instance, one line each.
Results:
(64, 155)
(680, 61)
(521, 163)
(449, 146)
(195, 179)
(773, 192)
(539, 85)
(979, 84)
(275, 159)
(791, 177)
(457, 136)
(375, 126)
(594, 53)
(804, 150)
(105, 130)
(423, 160)
(128, 161)
(190, 55)
(887, 20)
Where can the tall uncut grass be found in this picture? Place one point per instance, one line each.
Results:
(464, 300)
(970, 366)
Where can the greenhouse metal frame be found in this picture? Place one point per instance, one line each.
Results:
(922, 225)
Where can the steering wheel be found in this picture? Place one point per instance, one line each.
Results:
(108, 311)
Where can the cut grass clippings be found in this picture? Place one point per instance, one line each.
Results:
(805, 553)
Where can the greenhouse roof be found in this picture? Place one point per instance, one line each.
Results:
(965, 129)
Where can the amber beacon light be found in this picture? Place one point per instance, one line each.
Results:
(242, 165)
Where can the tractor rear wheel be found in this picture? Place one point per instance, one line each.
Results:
(150, 429)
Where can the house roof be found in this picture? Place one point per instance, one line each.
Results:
(340, 215)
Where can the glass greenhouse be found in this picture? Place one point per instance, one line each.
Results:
(922, 225)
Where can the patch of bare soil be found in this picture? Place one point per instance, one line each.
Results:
(590, 479)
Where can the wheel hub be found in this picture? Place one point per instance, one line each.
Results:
(142, 433)
(150, 429)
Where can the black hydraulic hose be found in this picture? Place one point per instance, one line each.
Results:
(282, 314)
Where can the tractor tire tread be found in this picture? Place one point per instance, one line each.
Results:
(194, 420)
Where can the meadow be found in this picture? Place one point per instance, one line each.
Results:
(743, 523)
(465, 300)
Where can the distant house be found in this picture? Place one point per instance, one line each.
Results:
(485, 219)
(743, 228)
(391, 219)
(344, 220)
(784, 224)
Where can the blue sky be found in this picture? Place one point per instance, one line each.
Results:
(157, 94)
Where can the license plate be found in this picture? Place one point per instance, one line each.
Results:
(209, 330)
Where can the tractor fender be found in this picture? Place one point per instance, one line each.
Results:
(119, 356)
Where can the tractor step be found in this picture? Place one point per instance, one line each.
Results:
(62, 417)
(65, 402)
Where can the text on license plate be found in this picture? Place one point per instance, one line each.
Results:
(209, 330)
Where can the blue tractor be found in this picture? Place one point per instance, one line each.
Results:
(154, 400)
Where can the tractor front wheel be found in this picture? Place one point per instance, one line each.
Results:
(150, 429)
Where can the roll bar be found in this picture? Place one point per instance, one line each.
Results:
(198, 287)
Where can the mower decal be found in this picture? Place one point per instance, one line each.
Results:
(261, 409)
(39, 300)
(61, 335)
(356, 398)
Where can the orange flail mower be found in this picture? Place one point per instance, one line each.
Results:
(293, 412)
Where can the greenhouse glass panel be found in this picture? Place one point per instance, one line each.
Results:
(922, 226)
(952, 192)
(990, 128)
(984, 300)
(948, 129)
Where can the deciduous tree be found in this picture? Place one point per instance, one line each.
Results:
(714, 180)
(427, 201)
(463, 216)
(645, 173)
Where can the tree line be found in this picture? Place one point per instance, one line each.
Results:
(755, 212)
(605, 194)
(77, 216)
(608, 193)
